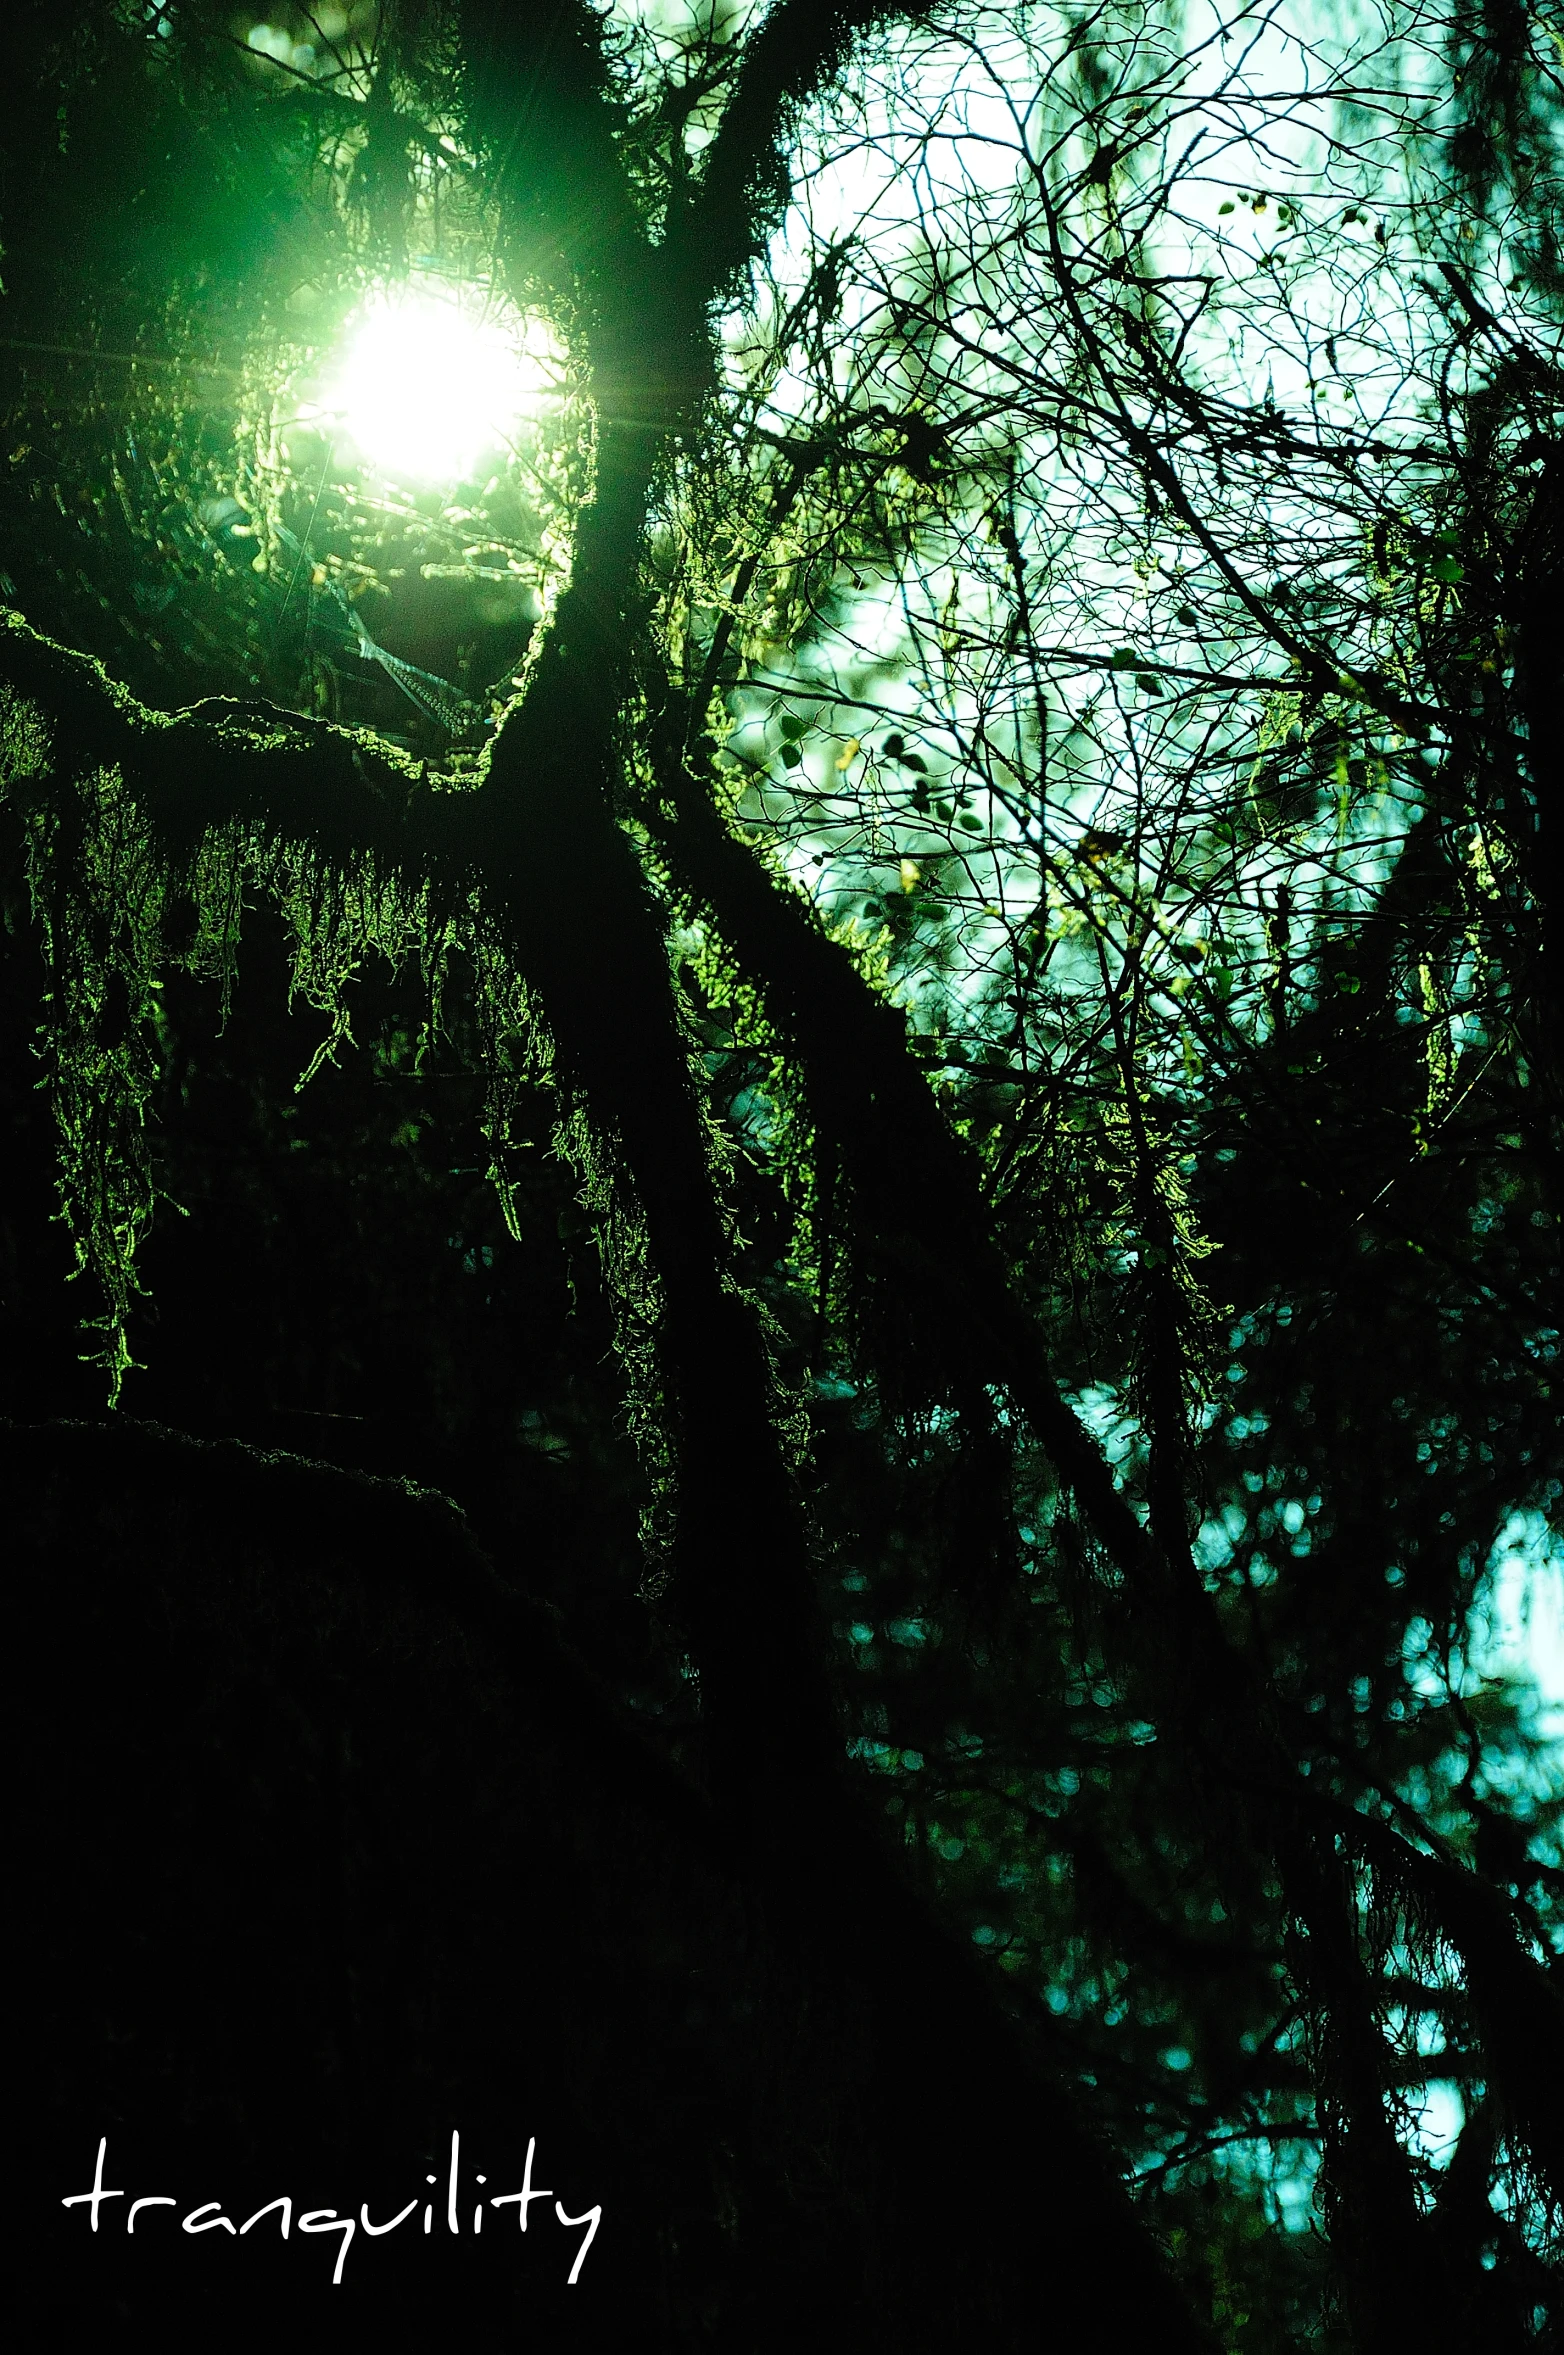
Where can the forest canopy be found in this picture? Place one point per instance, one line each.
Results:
(780, 792)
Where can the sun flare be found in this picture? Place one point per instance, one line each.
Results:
(433, 381)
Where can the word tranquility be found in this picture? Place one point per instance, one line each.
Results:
(210, 2218)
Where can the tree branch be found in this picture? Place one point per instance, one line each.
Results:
(745, 184)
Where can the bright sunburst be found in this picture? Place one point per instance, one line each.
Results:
(432, 380)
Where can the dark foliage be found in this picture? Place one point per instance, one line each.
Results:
(780, 1249)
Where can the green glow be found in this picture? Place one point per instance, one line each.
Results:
(431, 381)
